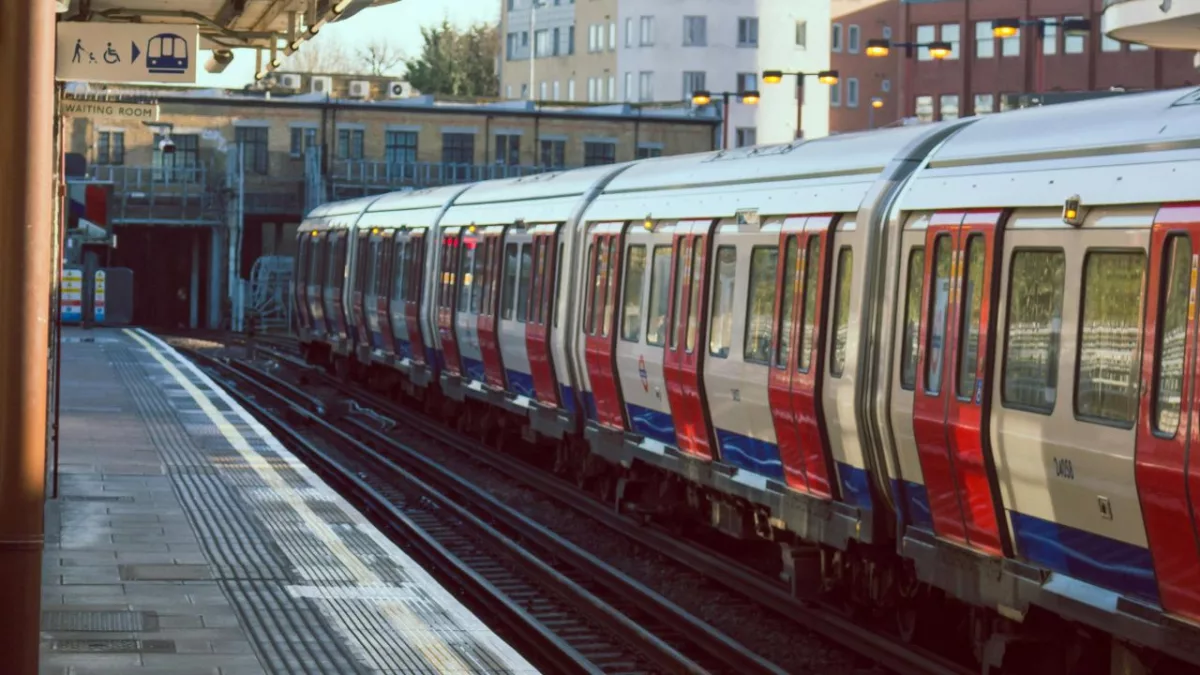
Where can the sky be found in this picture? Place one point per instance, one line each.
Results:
(400, 22)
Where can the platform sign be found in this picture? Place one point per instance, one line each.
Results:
(90, 51)
(72, 295)
(98, 297)
(112, 110)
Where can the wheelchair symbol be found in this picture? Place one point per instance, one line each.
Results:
(111, 56)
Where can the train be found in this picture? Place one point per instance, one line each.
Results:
(945, 373)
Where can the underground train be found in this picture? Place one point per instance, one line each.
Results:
(941, 370)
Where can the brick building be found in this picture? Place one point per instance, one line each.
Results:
(983, 73)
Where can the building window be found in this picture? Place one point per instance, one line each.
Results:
(302, 139)
(400, 147)
(835, 94)
(553, 154)
(630, 94)
(747, 136)
(951, 34)
(595, 37)
(984, 104)
(181, 165)
(693, 81)
(748, 32)
(458, 148)
(612, 87)
(543, 89)
(1074, 44)
(747, 82)
(570, 90)
(612, 36)
(887, 32)
(852, 38)
(1108, 44)
(925, 35)
(508, 149)
(949, 106)
(985, 40)
(802, 34)
(628, 32)
(253, 141)
(508, 91)
(591, 90)
(695, 31)
(852, 92)
(1049, 38)
(924, 108)
(885, 86)
(646, 27)
(350, 144)
(649, 151)
(1010, 46)
(596, 153)
(835, 38)
(1135, 47)
(524, 38)
(557, 91)
(110, 148)
(646, 86)
(1008, 102)
(541, 43)
(556, 42)
(510, 46)
(571, 40)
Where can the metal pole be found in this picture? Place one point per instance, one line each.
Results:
(799, 105)
(725, 123)
(27, 172)
(58, 262)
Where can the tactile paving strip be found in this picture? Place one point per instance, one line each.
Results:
(70, 621)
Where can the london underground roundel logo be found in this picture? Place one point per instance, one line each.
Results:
(642, 372)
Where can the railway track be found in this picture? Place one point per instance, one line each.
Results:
(570, 611)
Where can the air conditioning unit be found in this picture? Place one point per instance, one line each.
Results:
(360, 89)
(289, 81)
(321, 84)
(396, 89)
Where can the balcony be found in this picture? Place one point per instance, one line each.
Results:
(1166, 24)
(361, 178)
(146, 195)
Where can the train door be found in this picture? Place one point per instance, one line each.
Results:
(299, 279)
(335, 283)
(380, 288)
(445, 300)
(471, 302)
(682, 362)
(950, 412)
(1168, 482)
(374, 263)
(537, 330)
(361, 266)
(604, 242)
(314, 282)
(397, 285)
(501, 262)
(645, 290)
(414, 270)
(514, 311)
(794, 384)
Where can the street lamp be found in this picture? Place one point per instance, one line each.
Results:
(828, 77)
(938, 49)
(704, 97)
(1009, 27)
(876, 104)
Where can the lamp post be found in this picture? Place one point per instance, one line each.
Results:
(704, 97)
(879, 48)
(829, 77)
(1006, 28)
(876, 104)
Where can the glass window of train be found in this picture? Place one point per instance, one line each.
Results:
(549, 298)
(416, 267)
(631, 303)
(478, 275)
(939, 314)
(1107, 381)
(1172, 335)
(603, 260)
(374, 260)
(912, 318)
(841, 311)
(399, 271)
(510, 281)
(591, 292)
(720, 329)
(539, 279)
(610, 287)
(466, 264)
(525, 283)
(660, 288)
(812, 274)
(971, 317)
(681, 257)
(317, 248)
(1035, 301)
(790, 281)
(491, 275)
(760, 304)
(697, 292)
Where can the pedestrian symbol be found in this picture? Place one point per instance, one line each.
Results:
(79, 50)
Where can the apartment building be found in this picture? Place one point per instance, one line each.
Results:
(633, 51)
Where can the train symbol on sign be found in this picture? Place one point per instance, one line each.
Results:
(167, 53)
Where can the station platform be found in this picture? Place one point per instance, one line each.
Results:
(186, 540)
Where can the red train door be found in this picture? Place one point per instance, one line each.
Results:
(413, 265)
(499, 263)
(682, 359)
(445, 300)
(794, 385)
(537, 332)
(950, 410)
(603, 267)
(1168, 484)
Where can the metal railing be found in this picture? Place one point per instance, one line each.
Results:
(391, 175)
(153, 195)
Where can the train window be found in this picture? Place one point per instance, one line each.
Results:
(720, 335)
(466, 262)
(812, 273)
(610, 286)
(660, 287)
(478, 275)
(539, 279)
(938, 314)
(1035, 301)
(510, 281)
(1172, 335)
(693, 323)
(374, 260)
(760, 304)
(314, 263)
(791, 279)
(400, 271)
(1106, 385)
(590, 300)
(525, 282)
(631, 303)
(680, 261)
(912, 318)
(417, 266)
(841, 311)
(971, 317)
(331, 270)
(557, 265)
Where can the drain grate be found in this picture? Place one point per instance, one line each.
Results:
(114, 646)
(95, 498)
(65, 621)
(165, 572)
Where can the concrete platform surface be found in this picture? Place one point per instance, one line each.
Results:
(187, 540)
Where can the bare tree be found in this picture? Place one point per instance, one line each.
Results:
(322, 54)
(378, 56)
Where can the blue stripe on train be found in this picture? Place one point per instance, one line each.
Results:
(750, 454)
(567, 394)
(651, 423)
(520, 383)
(915, 499)
(403, 348)
(856, 486)
(1094, 558)
(473, 369)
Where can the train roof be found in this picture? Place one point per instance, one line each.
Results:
(540, 198)
(346, 207)
(427, 198)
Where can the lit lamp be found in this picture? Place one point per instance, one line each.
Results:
(878, 48)
(1006, 28)
(750, 97)
(940, 50)
(772, 76)
(828, 77)
(876, 103)
(701, 97)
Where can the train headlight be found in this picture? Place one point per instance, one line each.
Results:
(1072, 211)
